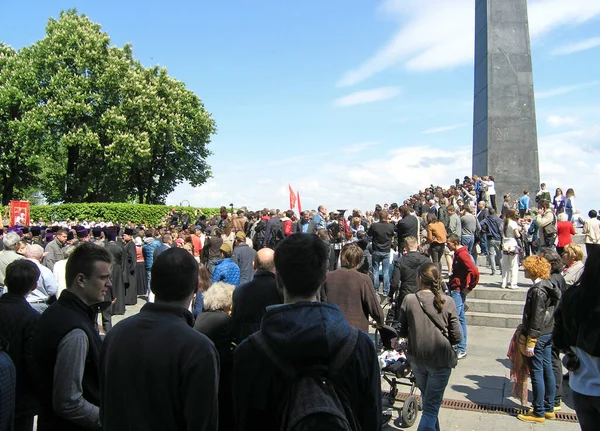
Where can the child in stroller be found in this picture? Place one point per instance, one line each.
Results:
(396, 370)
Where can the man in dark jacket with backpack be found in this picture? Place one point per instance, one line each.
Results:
(338, 363)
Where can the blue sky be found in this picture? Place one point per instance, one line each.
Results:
(354, 102)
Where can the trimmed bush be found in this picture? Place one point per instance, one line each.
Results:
(122, 212)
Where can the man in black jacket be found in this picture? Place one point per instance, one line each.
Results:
(491, 227)
(18, 322)
(156, 371)
(407, 226)
(381, 234)
(404, 275)
(67, 345)
(250, 300)
(303, 332)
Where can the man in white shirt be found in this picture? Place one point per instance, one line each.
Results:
(591, 230)
(46, 284)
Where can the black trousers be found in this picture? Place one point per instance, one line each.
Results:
(436, 251)
(557, 370)
(591, 249)
(588, 411)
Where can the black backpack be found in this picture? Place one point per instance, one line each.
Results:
(313, 401)
(277, 234)
(259, 234)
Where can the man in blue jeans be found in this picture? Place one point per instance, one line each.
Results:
(381, 234)
(463, 279)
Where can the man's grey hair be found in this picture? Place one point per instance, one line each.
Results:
(219, 296)
(10, 240)
(35, 251)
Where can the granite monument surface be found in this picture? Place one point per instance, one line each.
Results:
(504, 122)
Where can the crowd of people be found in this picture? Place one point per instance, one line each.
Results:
(242, 306)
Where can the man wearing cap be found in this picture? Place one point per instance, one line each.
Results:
(54, 249)
(128, 266)
(97, 236)
(243, 256)
(226, 270)
(36, 232)
(83, 235)
(26, 234)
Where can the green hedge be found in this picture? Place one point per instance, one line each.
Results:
(137, 213)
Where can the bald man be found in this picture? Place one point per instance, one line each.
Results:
(46, 283)
(251, 299)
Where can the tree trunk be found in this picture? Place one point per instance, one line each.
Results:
(71, 194)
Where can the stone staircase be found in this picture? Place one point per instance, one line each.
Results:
(496, 307)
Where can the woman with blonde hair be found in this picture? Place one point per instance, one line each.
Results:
(430, 321)
(572, 257)
(536, 327)
(215, 323)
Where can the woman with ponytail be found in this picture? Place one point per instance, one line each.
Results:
(429, 320)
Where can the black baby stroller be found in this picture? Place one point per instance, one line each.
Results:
(396, 372)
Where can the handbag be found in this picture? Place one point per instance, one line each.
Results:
(442, 330)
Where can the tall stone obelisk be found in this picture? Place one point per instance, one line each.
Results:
(504, 123)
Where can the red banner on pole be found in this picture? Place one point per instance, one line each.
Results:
(299, 203)
(292, 198)
(19, 213)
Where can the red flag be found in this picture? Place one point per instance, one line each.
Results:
(299, 204)
(292, 198)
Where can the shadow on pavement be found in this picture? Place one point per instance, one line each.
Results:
(505, 361)
(488, 390)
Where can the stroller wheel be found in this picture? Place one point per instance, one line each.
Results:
(410, 411)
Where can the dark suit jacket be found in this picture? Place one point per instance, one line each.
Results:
(18, 322)
(408, 226)
(250, 301)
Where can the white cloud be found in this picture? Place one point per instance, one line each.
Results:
(582, 45)
(442, 129)
(569, 159)
(560, 121)
(357, 148)
(572, 159)
(564, 90)
(368, 96)
(439, 34)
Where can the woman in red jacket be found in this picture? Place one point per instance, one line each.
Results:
(564, 232)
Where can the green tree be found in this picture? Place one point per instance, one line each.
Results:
(172, 128)
(18, 160)
(106, 128)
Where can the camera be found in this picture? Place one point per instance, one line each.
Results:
(570, 361)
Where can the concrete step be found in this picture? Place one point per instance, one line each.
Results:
(500, 306)
(498, 293)
(495, 320)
